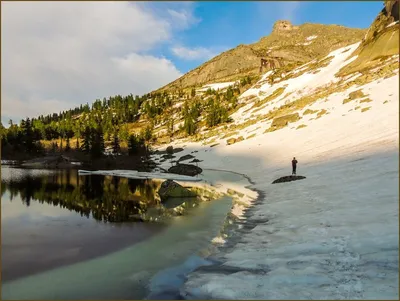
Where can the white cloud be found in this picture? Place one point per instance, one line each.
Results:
(199, 53)
(183, 18)
(56, 55)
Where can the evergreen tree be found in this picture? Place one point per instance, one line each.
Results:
(116, 146)
(133, 145)
(97, 147)
(67, 146)
(87, 140)
(190, 125)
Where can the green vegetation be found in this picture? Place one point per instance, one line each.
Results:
(267, 99)
(321, 113)
(365, 100)
(281, 122)
(308, 111)
(354, 95)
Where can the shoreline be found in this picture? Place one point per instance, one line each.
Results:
(198, 242)
(232, 227)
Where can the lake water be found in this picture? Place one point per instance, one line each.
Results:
(66, 236)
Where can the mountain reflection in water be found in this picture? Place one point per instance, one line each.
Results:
(105, 198)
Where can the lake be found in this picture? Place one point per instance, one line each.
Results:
(66, 236)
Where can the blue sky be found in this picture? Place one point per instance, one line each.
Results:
(58, 55)
(224, 25)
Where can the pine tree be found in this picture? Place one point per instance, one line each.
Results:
(87, 139)
(116, 145)
(97, 147)
(133, 145)
(67, 146)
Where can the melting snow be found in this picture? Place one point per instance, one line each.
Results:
(333, 235)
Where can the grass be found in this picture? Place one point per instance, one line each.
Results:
(301, 126)
(251, 136)
(354, 95)
(321, 113)
(365, 100)
(231, 141)
(308, 111)
(365, 109)
(227, 135)
(386, 101)
(267, 99)
(283, 121)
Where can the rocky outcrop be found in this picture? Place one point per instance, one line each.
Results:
(171, 189)
(288, 179)
(380, 41)
(283, 25)
(392, 9)
(286, 42)
(185, 169)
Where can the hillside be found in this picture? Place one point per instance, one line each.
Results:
(291, 44)
(333, 235)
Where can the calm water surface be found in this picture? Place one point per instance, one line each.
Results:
(66, 236)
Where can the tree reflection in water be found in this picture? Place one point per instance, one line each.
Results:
(105, 198)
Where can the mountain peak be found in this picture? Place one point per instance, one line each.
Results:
(283, 25)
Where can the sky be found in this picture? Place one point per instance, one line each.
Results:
(58, 55)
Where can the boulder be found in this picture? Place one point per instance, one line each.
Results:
(186, 157)
(171, 189)
(170, 149)
(288, 179)
(185, 169)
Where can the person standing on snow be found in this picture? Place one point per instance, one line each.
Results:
(294, 166)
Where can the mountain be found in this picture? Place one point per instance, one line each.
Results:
(288, 43)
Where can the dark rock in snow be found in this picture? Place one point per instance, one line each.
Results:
(178, 149)
(196, 161)
(288, 179)
(186, 157)
(171, 189)
(185, 169)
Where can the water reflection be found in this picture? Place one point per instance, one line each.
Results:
(105, 198)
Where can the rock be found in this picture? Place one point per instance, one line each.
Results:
(185, 169)
(170, 149)
(288, 179)
(231, 141)
(196, 161)
(178, 149)
(186, 157)
(171, 189)
(234, 140)
(168, 156)
(283, 25)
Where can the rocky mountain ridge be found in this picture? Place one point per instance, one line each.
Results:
(289, 43)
